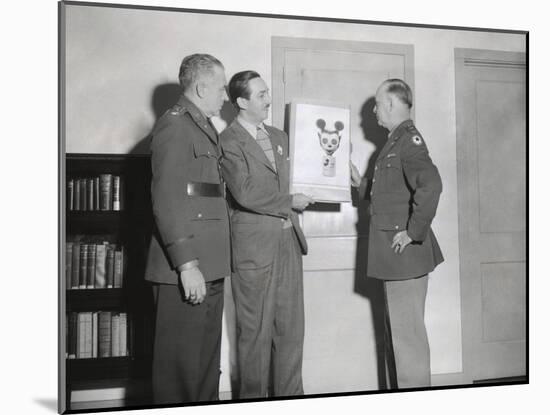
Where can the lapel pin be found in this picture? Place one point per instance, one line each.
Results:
(280, 150)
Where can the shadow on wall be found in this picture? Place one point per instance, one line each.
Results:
(370, 288)
(163, 98)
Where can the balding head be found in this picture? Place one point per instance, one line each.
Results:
(394, 101)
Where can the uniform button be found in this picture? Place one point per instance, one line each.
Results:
(373, 180)
(199, 215)
(282, 220)
(396, 226)
(375, 167)
(389, 165)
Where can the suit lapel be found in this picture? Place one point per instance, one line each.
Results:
(250, 145)
(280, 160)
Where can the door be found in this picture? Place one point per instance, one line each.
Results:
(492, 187)
(342, 72)
(343, 341)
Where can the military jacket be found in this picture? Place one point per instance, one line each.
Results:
(404, 196)
(191, 215)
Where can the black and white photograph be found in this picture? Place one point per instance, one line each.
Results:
(200, 269)
(283, 209)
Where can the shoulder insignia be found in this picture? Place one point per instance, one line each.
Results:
(416, 140)
(176, 110)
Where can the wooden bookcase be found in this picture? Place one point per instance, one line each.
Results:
(131, 227)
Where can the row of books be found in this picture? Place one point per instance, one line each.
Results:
(93, 265)
(103, 192)
(93, 334)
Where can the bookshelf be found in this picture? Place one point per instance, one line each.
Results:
(126, 232)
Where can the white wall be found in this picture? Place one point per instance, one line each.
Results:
(116, 58)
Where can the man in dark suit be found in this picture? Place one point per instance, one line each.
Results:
(402, 247)
(189, 255)
(267, 245)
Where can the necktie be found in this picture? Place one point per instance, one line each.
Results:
(265, 143)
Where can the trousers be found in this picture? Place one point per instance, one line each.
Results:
(407, 348)
(269, 307)
(186, 351)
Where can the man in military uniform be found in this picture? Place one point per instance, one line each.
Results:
(189, 255)
(402, 247)
(268, 245)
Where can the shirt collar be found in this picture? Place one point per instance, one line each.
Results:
(251, 128)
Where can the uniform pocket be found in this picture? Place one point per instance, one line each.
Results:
(390, 222)
(206, 208)
(391, 174)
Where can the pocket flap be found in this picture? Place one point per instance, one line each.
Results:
(203, 150)
(389, 222)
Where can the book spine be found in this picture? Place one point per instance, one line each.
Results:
(106, 191)
(117, 283)
(80, 335)
(104, 337)
(70, 194)
(116, 193)
(94, 333)
(122, 192)
(101, 257)
(90, 194)
(96, 193)
(76, 196)
(110, 265)
(90, 273)
(88, 335)
(73, 322)
(83, 195)
(75, 266)
(68, 265)
(123, 334)
(83, 266)
(115, 335)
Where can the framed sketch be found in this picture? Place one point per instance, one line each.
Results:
(320, 150)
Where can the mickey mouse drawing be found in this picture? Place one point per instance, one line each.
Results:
(329, 141)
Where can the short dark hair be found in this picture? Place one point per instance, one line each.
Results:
(195, 65)
(238, 85)
(401, 90)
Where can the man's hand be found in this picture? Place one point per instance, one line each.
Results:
(300, 201)
(400, 241)
(193, 285)
(355, 176)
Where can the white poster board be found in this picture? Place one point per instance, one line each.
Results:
(320, 150)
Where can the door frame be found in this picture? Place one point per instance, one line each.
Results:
(280, 44)
(467, 271)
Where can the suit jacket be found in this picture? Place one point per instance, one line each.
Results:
(405, 194)
(259, 196)
(189, 225)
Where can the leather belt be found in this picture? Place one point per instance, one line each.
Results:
(205, 189)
